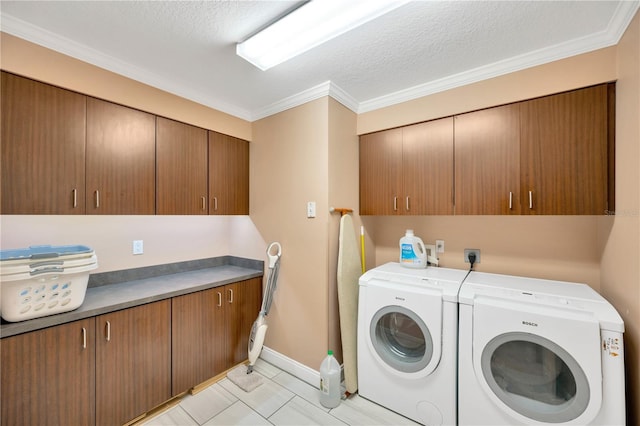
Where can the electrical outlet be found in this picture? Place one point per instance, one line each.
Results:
(439, 246)
(138, 247)
(474, 251)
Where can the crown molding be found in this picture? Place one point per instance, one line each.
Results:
(50, 40)
(620, 21)
(327, 88)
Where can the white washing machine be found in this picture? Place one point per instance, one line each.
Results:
(407, 341)
(538, 352)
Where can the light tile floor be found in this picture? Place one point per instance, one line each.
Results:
(282, 399)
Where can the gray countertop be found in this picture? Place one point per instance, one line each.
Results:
(112, 297)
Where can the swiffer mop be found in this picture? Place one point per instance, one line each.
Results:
(239, 375)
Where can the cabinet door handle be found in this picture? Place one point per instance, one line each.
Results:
(84, 338)
(108, 327)
(215, 203)
(204, 203)
(395, 204)
(510, 200)
(530, 199)
(219, 299)
(75, 198)
(407, 202)
(230, 295)
(97, 199)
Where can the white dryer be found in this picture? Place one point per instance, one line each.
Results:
(538, 352)
(407, 341)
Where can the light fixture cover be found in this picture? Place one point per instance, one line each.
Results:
(308, 26)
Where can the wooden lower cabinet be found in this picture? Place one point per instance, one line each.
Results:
(48, 376)
(133, 364)
(195, 325)
(110, 369)
(210, 331)
(245, 299)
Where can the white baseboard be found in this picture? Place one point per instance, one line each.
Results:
(291, 366)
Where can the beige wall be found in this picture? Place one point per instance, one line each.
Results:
(166, 238)
(289, 158)
(620, 235)
(557, 247)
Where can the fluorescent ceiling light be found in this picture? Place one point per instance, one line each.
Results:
(308, 26)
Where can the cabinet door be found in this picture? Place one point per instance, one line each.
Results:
(48, 376)
(564, 153)
(244, 299)
(43, 148)
(487, 161)
(427, 168)
(228, 175)
(133, 365)
(380, 173)
(120, 159)
(181, 168)
(196, 334)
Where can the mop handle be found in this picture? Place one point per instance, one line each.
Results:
(274, 267)
(274, 257)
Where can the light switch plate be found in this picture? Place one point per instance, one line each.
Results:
(311, 209)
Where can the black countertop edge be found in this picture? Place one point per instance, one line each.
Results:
(104, 299)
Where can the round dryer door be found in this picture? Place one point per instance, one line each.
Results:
(401, 339)
(535, 377)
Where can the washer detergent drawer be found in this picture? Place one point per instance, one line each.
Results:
(538, 362)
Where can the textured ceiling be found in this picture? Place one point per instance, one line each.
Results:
(188, 47)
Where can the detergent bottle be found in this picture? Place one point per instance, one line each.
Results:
(413, 254)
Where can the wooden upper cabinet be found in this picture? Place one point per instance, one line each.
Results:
(380, 172)
(181, 168)
(120, 159)
(408, 171)
(564, 152)
(427, 168)
(43, 148)
(487, 161)
(228, 175)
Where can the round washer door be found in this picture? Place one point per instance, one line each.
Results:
(535, 377)
(401, 339)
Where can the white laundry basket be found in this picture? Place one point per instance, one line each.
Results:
(43, 280)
